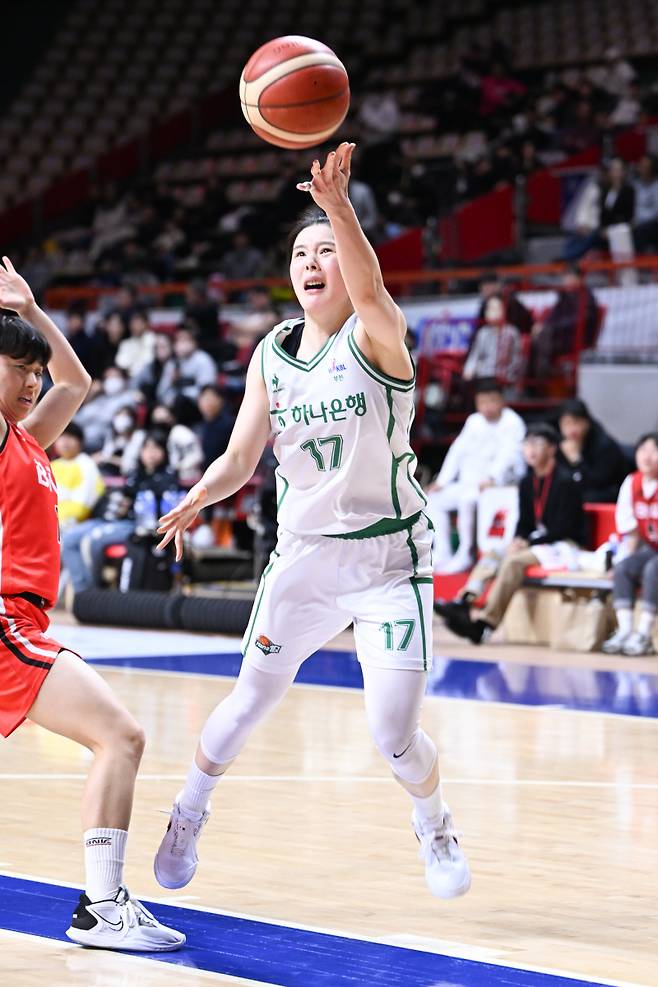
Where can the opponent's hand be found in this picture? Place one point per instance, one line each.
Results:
(15, 292)
(328, 184)
(178, 520)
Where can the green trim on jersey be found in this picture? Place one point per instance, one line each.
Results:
(262, 360)
(410, 456)
(414, 583)
(283, 492)
(301, 364)
(385, 526)
(258, 601)
(395, 382)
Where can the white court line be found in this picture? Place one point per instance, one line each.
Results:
(355, 779)
(511, 704)
(457, 949)
(107, 966)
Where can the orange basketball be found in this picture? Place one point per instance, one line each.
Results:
(294, 92)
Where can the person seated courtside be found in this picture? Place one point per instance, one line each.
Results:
(551, 523)
(636, 573)
(596, 462)
(486, 453)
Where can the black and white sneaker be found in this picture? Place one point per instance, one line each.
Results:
(121, 922)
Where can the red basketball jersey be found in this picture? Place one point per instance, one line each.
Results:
(646, 511)
(29, 529)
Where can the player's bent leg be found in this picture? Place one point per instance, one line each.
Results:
(75, 702)
(393, 699)
(255, 694)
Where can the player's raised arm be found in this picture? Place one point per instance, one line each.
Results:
(381, 320)
(71, 381)
(234, 467)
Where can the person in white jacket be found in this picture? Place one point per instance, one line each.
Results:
(487, 452)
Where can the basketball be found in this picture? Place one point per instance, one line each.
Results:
(294, 92)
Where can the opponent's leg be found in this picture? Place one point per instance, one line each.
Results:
(393, 700)
(224, 734)
(77, 703)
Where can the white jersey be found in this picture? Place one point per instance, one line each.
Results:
(341, 436)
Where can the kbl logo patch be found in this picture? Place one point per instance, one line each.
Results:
(336, 369)
(268, 647)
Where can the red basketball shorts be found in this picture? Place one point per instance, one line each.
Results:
(26, 657)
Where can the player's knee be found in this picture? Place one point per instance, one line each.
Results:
(392, 738)
(131, 739)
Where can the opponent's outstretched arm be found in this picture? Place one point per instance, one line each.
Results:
(70, 379)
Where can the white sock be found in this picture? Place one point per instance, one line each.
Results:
(198, 788)
(430, 809)
(625, 620)
(645, 623)
(105, 854)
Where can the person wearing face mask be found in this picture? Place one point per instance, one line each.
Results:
(496, 351)
(184, 449)
(187, 371)
(110, 458)
(95, 416)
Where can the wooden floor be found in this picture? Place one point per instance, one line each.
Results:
(558, 808)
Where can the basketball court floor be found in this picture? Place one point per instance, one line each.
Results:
(309, 875)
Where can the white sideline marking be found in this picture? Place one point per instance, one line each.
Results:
(79, 960)
(356, 779)
(458, 949)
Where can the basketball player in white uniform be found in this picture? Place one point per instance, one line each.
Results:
(336, 389)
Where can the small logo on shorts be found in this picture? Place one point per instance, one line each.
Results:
(266, 646)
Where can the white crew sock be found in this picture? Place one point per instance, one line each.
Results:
(105, 854)
(430, 809)
(198, 788)
(625, 620)
(645, 623)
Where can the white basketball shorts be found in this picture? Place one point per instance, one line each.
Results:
(315, 586)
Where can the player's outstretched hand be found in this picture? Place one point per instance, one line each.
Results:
(328, 184)
(177, 521)
(15, 292)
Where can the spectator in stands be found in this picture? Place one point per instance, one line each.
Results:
(261, 315)
(573, 319)
(112, 223)
(121, 431)
(106, 399)
(78, 479)
(550, 527)
(379, 115)
(496, 350)
(184, 450)
(203, 312)
(243, 260)
(498, 90)
(84, 345)
(148, 379)
(214, 429)
(515, 311)
(618, 201)
(595, 461)
(486, 453)
(111, 331)
(136, 352)
(364, 203)
(187, 371)
(637, 523)
(608, 205)
(628, 109)
(83, 547)
(645, 220)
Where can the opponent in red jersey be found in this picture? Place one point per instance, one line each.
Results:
(40, 678)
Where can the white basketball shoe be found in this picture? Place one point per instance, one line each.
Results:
(121, 923)
(176, 860)
(614, 645)
(446, 868)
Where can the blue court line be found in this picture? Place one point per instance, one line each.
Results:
(622, 692)
(269, 953)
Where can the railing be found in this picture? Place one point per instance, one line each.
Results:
(402, 284)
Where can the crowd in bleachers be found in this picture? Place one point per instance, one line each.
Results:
(224, 206)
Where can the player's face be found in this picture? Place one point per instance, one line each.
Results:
(314, 270)
(20, 386)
